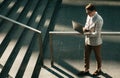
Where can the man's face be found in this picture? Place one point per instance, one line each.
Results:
(90, 13)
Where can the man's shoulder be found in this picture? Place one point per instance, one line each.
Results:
(97, 17)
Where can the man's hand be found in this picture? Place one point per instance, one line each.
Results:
(85, 30)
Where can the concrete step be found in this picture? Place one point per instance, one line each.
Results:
(20, 53)
(24, 17)
(32, 50)
(6, 27)
(47, 25)
(34, 21)
(6, 6)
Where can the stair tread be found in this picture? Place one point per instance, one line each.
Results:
(24, 20)
(7, 32)
(47, 20)
(40, 10)
(7, 6)
(19, 44)
(6, 26)
(30, 21)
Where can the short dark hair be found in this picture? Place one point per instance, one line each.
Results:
(90, 7)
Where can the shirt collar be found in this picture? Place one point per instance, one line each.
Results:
(94, 14)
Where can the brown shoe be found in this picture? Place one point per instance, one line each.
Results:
(97, 72)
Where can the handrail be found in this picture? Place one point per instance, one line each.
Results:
(51, 33)
(30, 28)
(77, 33)
(20, 24)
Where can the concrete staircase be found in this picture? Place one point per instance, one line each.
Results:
(19, 47)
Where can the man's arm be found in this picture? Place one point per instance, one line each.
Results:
(96, 30)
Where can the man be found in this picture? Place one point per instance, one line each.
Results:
(93, 41)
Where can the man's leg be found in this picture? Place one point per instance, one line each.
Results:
(87, 53)
(97, 51)
(87, 60)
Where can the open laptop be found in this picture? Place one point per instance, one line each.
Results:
(77, 27)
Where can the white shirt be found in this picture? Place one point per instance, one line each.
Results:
(95, 24)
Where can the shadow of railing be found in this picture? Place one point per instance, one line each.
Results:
(53, 72)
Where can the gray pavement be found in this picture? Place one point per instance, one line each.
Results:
(68, 49)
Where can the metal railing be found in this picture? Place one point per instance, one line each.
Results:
(51, 33)
(27, 27)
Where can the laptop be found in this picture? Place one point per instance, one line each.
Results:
(77, 27)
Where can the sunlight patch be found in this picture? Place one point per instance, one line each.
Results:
(29, 13)
(38, 18)
(20, 9)
(62, 28)
(11, 5)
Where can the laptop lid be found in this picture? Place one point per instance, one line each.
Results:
(77, 26)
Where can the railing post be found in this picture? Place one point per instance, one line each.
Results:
(41, 48)
(51, 50)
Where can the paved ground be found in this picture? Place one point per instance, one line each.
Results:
(68, 50)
